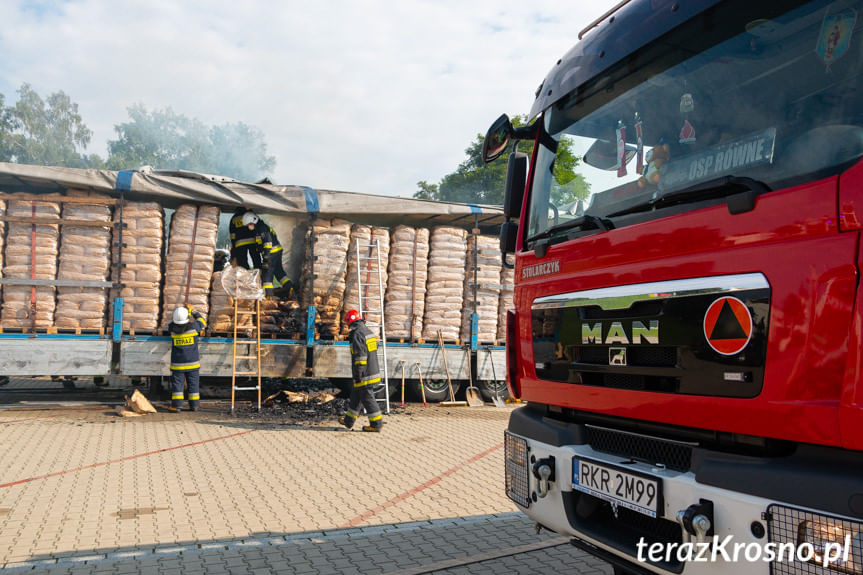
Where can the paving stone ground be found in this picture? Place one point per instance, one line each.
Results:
(83, 490)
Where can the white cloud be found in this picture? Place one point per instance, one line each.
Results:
(368, 96)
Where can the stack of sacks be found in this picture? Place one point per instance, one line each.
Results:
(445, 285)
(233, 281)
(2, 233)
(483, 256)
(20, 242)
(507, 276)
(406, 283)
(324, 274)
(138, 245)
(189, 265)
(84, 256)
(368, 266)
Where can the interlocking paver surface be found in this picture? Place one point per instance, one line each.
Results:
(85, 491)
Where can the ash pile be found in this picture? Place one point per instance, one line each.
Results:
(297, 401)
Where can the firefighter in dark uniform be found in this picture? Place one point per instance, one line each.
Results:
(243, 242)
(270, 253)
(365, 372)
(185, 358)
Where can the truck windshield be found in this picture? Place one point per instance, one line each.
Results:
(764, 92)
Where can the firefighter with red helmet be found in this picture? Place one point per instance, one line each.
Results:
(366, 374)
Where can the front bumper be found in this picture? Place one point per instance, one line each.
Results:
(746, 528)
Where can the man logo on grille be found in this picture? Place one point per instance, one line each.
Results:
(728, 325)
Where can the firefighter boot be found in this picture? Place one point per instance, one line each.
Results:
(375, 428)
(347, 420)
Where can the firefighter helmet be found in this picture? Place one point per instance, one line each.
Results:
(250, 218)
(351, 316)
(181, 316)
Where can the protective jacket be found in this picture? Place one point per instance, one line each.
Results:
(243, 240)
(364, 355)
(266, 239)
(184, 339)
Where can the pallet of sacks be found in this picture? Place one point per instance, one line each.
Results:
(137, 254)
(30, 253)
(406, 283)
(85, 256)
(362, 273)
(445, 284)
(324, 271)
(507, 282)
(190, 259)
(483, 272)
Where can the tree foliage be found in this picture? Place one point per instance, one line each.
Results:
(49, 132)
(164, 139)
(474, 181)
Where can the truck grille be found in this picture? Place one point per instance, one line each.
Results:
(671, 454)
(636, 356)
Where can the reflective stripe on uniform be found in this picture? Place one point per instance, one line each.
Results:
(193, 397)
(276, 250)
(177, 395)
(245, 242)
(267, 286)
(350, 413)
(365, 382)
(377, 417)
(185, 366)
(360, 362)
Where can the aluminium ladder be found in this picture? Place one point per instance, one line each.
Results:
(251, 352)
(369, 269)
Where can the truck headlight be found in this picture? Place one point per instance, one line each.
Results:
(517, 469)
(836, 543)
(833, 544)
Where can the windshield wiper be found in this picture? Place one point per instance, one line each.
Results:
(584, 222)
(716, 188)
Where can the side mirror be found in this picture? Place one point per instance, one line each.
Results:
(508, 235)
(516, 179)
(497, 139)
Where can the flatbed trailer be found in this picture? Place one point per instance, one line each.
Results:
(113, 351)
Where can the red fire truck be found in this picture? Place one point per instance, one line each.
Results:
(689, 338)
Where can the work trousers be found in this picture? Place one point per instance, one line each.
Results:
(363, 396)
(193, 378)
(274, 269)
(248, 257)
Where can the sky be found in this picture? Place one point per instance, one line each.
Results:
(366, 96)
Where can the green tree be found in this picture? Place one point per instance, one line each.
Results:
(164, 139)
(48, 132)
(474, 181)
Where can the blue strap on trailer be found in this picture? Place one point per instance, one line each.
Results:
(474, 209)
(474, 330)
(311, 200)
(124, 180)
(310, 325)
(117, 333)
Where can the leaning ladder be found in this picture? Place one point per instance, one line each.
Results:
(249, 352)
(370, 274)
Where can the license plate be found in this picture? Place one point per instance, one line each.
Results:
(619, 486)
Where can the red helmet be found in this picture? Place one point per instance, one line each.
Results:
(351, 316)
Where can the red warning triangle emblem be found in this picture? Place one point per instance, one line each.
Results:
(728, 325)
